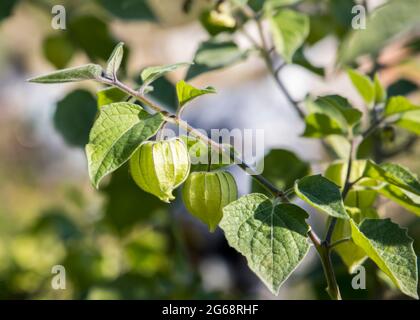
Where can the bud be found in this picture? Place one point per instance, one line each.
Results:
(206, 193)
(159, 167)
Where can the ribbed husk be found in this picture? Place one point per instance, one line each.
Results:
(206, 193)
(159, 167)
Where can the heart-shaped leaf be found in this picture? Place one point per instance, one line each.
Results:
(322, 194)
(116, 135)
(272, 237)
(391, 249)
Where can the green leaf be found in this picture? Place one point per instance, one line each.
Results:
(399, 104)
(92, 35)
(319, 125)
(380, 92)
(58, 50)
(337, 108)
(404, 198)
(6, 8)
(110, 95)
(351, 254)
(391, 249)
(290, 29)
(114, 61)
(382, 26)
(329, 115)
(393, 174)
(273, 238)
(129, 9)
(363, 84)
(216, 21)
(213, 55)
(282, 168)
(322, 194)
(300, 59)
(150, 74)
(116, 135)
(74, 117)
(86, 72)
(410, 121)
(401, 87)
(340, 12)
(187, 92)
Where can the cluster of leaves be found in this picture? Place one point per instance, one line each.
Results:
(273, 234)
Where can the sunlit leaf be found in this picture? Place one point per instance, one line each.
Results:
(319, 125)
(404, 198)
(187, 92)
(322, 194)
(272, 237)
(410, 121)
(215, 54)
(116, 135)
(290, 29)
(399, 104)
(150, 74)
(86, 72)
(110, 95)
(393, 174)
(391, 249)
(363, 84)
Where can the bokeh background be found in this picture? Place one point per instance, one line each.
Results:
(118, 242)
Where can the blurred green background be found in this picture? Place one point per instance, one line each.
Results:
(118, 242)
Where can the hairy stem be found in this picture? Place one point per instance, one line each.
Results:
(332, 286)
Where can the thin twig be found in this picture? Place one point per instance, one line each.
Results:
(265, 51)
